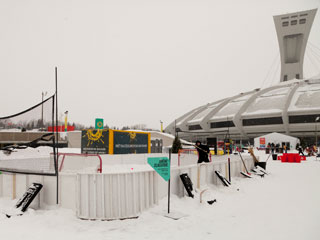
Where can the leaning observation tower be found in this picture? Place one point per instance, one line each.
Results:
(291, 107)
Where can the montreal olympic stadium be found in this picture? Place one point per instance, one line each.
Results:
(291, 107)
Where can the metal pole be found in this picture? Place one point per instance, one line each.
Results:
(57, 135)
(42, 111)
(316, 137)
(161, 126)
(229, 168)
(169, 181)
(315, 122)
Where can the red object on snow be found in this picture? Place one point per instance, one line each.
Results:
(291, 157)
(284, 157)
(297, 157)
(60, 128)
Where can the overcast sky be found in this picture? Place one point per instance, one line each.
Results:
(139, 61)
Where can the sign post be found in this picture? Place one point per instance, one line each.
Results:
(162, 166)
(169, 182)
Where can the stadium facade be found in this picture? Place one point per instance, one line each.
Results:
(291, 107)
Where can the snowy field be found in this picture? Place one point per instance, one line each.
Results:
(283, 205)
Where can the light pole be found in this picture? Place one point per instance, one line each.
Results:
(161, 125)
(43, 95)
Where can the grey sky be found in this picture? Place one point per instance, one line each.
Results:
(136, 61)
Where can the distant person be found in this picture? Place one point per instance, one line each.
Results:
(203, 152)
(285, 149)
(269, 146)
(315, 149)
(277, 147)
(308, 150)
(272, 148)
(300, 150)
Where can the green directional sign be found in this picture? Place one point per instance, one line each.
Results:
(161, 165)
(99, 123)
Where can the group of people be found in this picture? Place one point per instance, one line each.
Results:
(203, 150)
(311, 150)
(275, 147)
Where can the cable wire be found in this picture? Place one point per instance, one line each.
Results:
(271, 67)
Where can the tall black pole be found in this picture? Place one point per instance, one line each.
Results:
(229, 168)
(169, 181)
(42, 112)
(57, 135)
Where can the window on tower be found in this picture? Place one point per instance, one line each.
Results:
(302, 21)
(294, 22)
(285, 24)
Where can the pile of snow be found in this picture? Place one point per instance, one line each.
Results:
(38, 152)
(27, 153)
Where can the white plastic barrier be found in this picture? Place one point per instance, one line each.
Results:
(13, 186)
(203, 175)
(135, 158)
(116, 196)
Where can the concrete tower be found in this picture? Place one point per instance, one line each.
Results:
(293, 31)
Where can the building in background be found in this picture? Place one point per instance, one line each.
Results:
(293, 31)
(292, 107)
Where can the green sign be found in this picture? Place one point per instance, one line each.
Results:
(161, 165)
(99, 123)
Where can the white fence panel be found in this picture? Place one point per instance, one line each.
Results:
(115, 196)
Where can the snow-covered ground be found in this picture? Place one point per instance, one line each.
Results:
(283, 205)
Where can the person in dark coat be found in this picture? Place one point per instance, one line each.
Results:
(300, 150)
(272, 148)
(203, 152)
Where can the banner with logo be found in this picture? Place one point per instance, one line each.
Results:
(125, 142)
(263, 142)
(95, 141)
